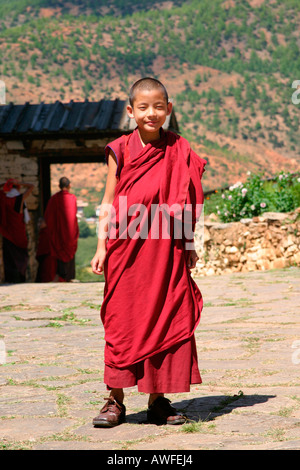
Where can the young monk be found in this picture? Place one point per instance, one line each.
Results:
(151, 304)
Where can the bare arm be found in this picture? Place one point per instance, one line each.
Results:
(111, 181)
(28, 191)
(29, 188)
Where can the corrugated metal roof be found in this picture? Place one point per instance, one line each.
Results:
(80, 117)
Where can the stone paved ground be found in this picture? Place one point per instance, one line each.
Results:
(249, 356)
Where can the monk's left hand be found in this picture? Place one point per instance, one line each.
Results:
(192, 259)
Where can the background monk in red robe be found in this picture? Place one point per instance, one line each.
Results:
(47, 263)
(62, 224)
(151, 304)
(13, 219)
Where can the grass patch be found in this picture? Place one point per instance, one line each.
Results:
(9, 308)
(13, 446)
(91, 305)
(62, 402)
(286, 412)
(196, 426)
(252, 344)
(54, 324)
(276, 434)
(67, 317)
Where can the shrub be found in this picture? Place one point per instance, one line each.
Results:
(84, 229)
(255, 196)
(286, 192)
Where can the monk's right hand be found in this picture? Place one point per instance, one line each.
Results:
(97, 262)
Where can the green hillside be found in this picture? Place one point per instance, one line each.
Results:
(230, 66)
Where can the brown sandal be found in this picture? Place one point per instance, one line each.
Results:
(112, 414)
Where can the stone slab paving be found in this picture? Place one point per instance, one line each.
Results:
(248, 345)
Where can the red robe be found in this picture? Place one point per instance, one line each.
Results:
(151, 304)
(61, 220)
(12, 225)
(47, 263)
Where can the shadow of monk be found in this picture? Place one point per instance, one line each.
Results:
(207, 408)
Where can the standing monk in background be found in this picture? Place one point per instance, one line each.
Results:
(13, 219)
(47, 263)
(61, 220)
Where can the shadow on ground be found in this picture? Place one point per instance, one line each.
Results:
(207, 408)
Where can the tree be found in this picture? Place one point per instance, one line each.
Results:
(89, 211)
(84, 229)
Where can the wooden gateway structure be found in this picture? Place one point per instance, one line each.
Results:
(34, 136)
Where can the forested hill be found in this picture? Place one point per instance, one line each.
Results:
(229, 67)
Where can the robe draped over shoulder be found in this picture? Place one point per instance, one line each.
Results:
(151, 303)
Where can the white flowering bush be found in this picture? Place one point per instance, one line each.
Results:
(287, 192)
(252, 198)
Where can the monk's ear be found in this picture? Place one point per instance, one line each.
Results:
(170, 107)
(130, 111)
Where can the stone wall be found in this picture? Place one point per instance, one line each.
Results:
(25, 169)
(270, 241)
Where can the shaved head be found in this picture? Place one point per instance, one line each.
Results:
(148, 84)
(64, 182)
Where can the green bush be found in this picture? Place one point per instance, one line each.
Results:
(89, 211)
(84, 229)
(255, 196)
(286, 192)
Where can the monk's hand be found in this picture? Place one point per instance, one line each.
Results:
(97, 262)
(192, 259)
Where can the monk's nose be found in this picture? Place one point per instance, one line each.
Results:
(151, 112)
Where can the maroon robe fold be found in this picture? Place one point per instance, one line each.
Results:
(12, 225)
(13, 230)
(61, 220)
(151, 304)
(47, 262)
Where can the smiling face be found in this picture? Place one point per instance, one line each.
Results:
(150, 110)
